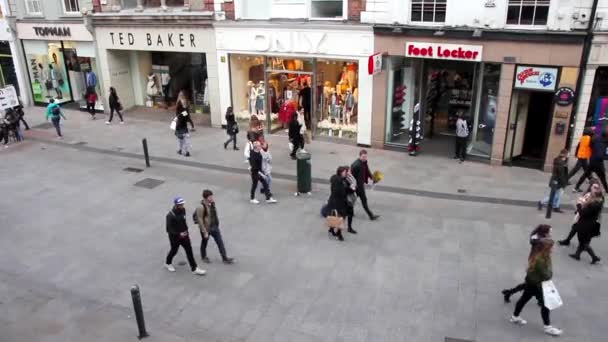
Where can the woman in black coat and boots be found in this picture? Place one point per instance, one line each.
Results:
(594, 190)
(337, 199)
(587, 225)
(295, 137)
(232, 129)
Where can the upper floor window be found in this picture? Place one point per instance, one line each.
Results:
(315, 9)
(33, 7)
(329, 9)
(151, 3)
(528, 12)
(71, 6)
(431, 11)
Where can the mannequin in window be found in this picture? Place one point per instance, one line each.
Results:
(333, 105)
(349, 105)
(251, 96)
(151, 88)
(259, 100)
(165, 82)
(351, 74)
(56, 74)
(206, 93)
(52, 76)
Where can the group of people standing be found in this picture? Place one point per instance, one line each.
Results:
(10, 125)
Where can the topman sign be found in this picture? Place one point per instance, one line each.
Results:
(52, 31)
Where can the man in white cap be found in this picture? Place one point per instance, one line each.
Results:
(177, 228)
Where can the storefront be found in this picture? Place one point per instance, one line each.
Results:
(151, 66)
(443, 77)
(322, 70)
(61, 62)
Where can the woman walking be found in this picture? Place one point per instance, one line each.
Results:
(91, 100)
(232, 129)
(351, 198)
(540, 232)
(337, 199)
(539, 270)
(587, 224)
(593, 190)
(182, 107)
(295, 135)
(115, 106)
(181, 126)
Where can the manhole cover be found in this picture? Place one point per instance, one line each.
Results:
(45, 125)
(132, 169)
(451, 339)
(149, 183)
(461, 191)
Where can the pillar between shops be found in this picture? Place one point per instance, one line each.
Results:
(505, 91)
(582, 110)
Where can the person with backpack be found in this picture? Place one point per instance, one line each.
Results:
(208, 222)
(596, 162)
(177, 229)
(232, 129)
(115, 106)
(559, 180)
(91, 99)
(462, 136)
(54, 114)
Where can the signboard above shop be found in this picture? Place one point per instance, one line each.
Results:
(59, 31)
(451, 52)
(535, 78)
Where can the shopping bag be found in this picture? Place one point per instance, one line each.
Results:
(551, 296)
(290, 146)
(334, 220)
(173, 124)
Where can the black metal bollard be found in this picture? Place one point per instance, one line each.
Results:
(139, 312)
(144, 142)
(551, 198)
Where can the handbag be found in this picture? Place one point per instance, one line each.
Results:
(351, 199)
(119, 106)
(173, 124)
(551, 297)
(334, 220)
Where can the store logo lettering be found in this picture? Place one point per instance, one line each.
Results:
(308, 42)
(524, 75)
(157, 40)
(459, 53)
(52, 31)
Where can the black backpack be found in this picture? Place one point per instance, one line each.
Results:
(56, 111)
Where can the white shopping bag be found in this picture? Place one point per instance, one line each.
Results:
(173, 124)
(551, 296)
(290, 146)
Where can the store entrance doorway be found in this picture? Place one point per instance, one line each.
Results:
(529, 124)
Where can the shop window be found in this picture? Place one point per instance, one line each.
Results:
(528, 12)
(47, 69)
(256, 9)
(327, 9)
(33, 7)
(428, 11)
(71, 6)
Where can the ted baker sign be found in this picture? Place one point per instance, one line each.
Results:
(453, 52)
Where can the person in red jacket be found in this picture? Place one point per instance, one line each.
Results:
(91, 98)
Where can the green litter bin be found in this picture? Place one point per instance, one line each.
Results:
(304, 172)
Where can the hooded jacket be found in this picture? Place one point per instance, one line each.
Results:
(176, 222)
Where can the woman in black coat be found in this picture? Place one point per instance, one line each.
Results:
(587, 226)
(232, 128)
(337, 199)
(295, 137)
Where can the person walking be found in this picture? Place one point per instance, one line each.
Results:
(181, 126)
(594, 190)
(337, 199)
(542, 231)
(539, 270)
(559, 180)
(256, 168)
(91, 99)
(596, 162)
(462, 135)
(115, 106)
(583, 153)
(21, 115)
(587, 224)
(177, 229)
(295, 135)
(232, 129)
(351, 198)
(362, 174)
(209, 225)
(54, 114)
(182, 107)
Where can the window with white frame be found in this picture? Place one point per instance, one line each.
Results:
(255, 9)
(528, 12)
(328, 9)
(428, 11)
(71, 6)
(33, 6)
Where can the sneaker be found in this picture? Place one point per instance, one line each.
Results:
(199, 271)
(254, 201)
(374, 217)
(206, 260)
(517, 320)
(553, 331)
(352, 231)
(228, 261)
(122, 122)
(170, 267)
(179, 152)
(108, 122)
(271, 200)
(595, 260)
(575, 190)
(187, 154)
(506, 296)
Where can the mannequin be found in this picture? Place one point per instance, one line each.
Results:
(151, 88)
(351, 74)
(251, 95)
(259, 101)
(165, 81)
(349, 105)
(55, 81)
(272, 97)
(206, 93)
(333, 104)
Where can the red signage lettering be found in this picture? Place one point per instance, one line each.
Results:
(444, 51)
(523, 76)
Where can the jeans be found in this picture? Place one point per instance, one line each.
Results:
(112, 109)
(184, 143)
(176, 241)
(531, 290)
(556, 199)
(56, 121)
(461, 147)
(233, 139)
(361, 194)
(255, 177)
(217, 237)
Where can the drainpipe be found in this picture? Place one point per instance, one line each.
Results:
(582, 68)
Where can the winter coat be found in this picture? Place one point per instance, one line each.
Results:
(294, 131)
(597, 149)
(583, 149)
(113, 100)
(560, 173)
(207, 218)
(231, 125)
(360, 171)
(255, 161)
(176, 223)
(587, 225)
(337, 198)
(540, 271)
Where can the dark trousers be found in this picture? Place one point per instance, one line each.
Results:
(24, 123)
(56, 121)
(461, 147)
(233, 139)
(580, 164)
(176, 241)
(307, 118)
(91, 108)
(217, 237)
(531, 290)
(584, 245)
(571, 234)
(255, 178)
(4, 135)
(597, 167)
(112, 109)
(363, 197)
(350, 212)
(296, 145)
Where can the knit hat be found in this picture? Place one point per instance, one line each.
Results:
(178, 200)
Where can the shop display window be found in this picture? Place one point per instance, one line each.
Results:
(482, 134)
(248, 88)
(47, 70)
(403, 82)
(7, 69)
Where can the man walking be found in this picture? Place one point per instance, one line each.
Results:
(54, 114)
(209, 224)
(462, 135)
(559, 180)
(596, 162)
(360, 171)
(177, 228)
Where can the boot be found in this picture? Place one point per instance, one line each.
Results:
(352, 231)
(506, 296)
(330, 232)
(339, 235)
